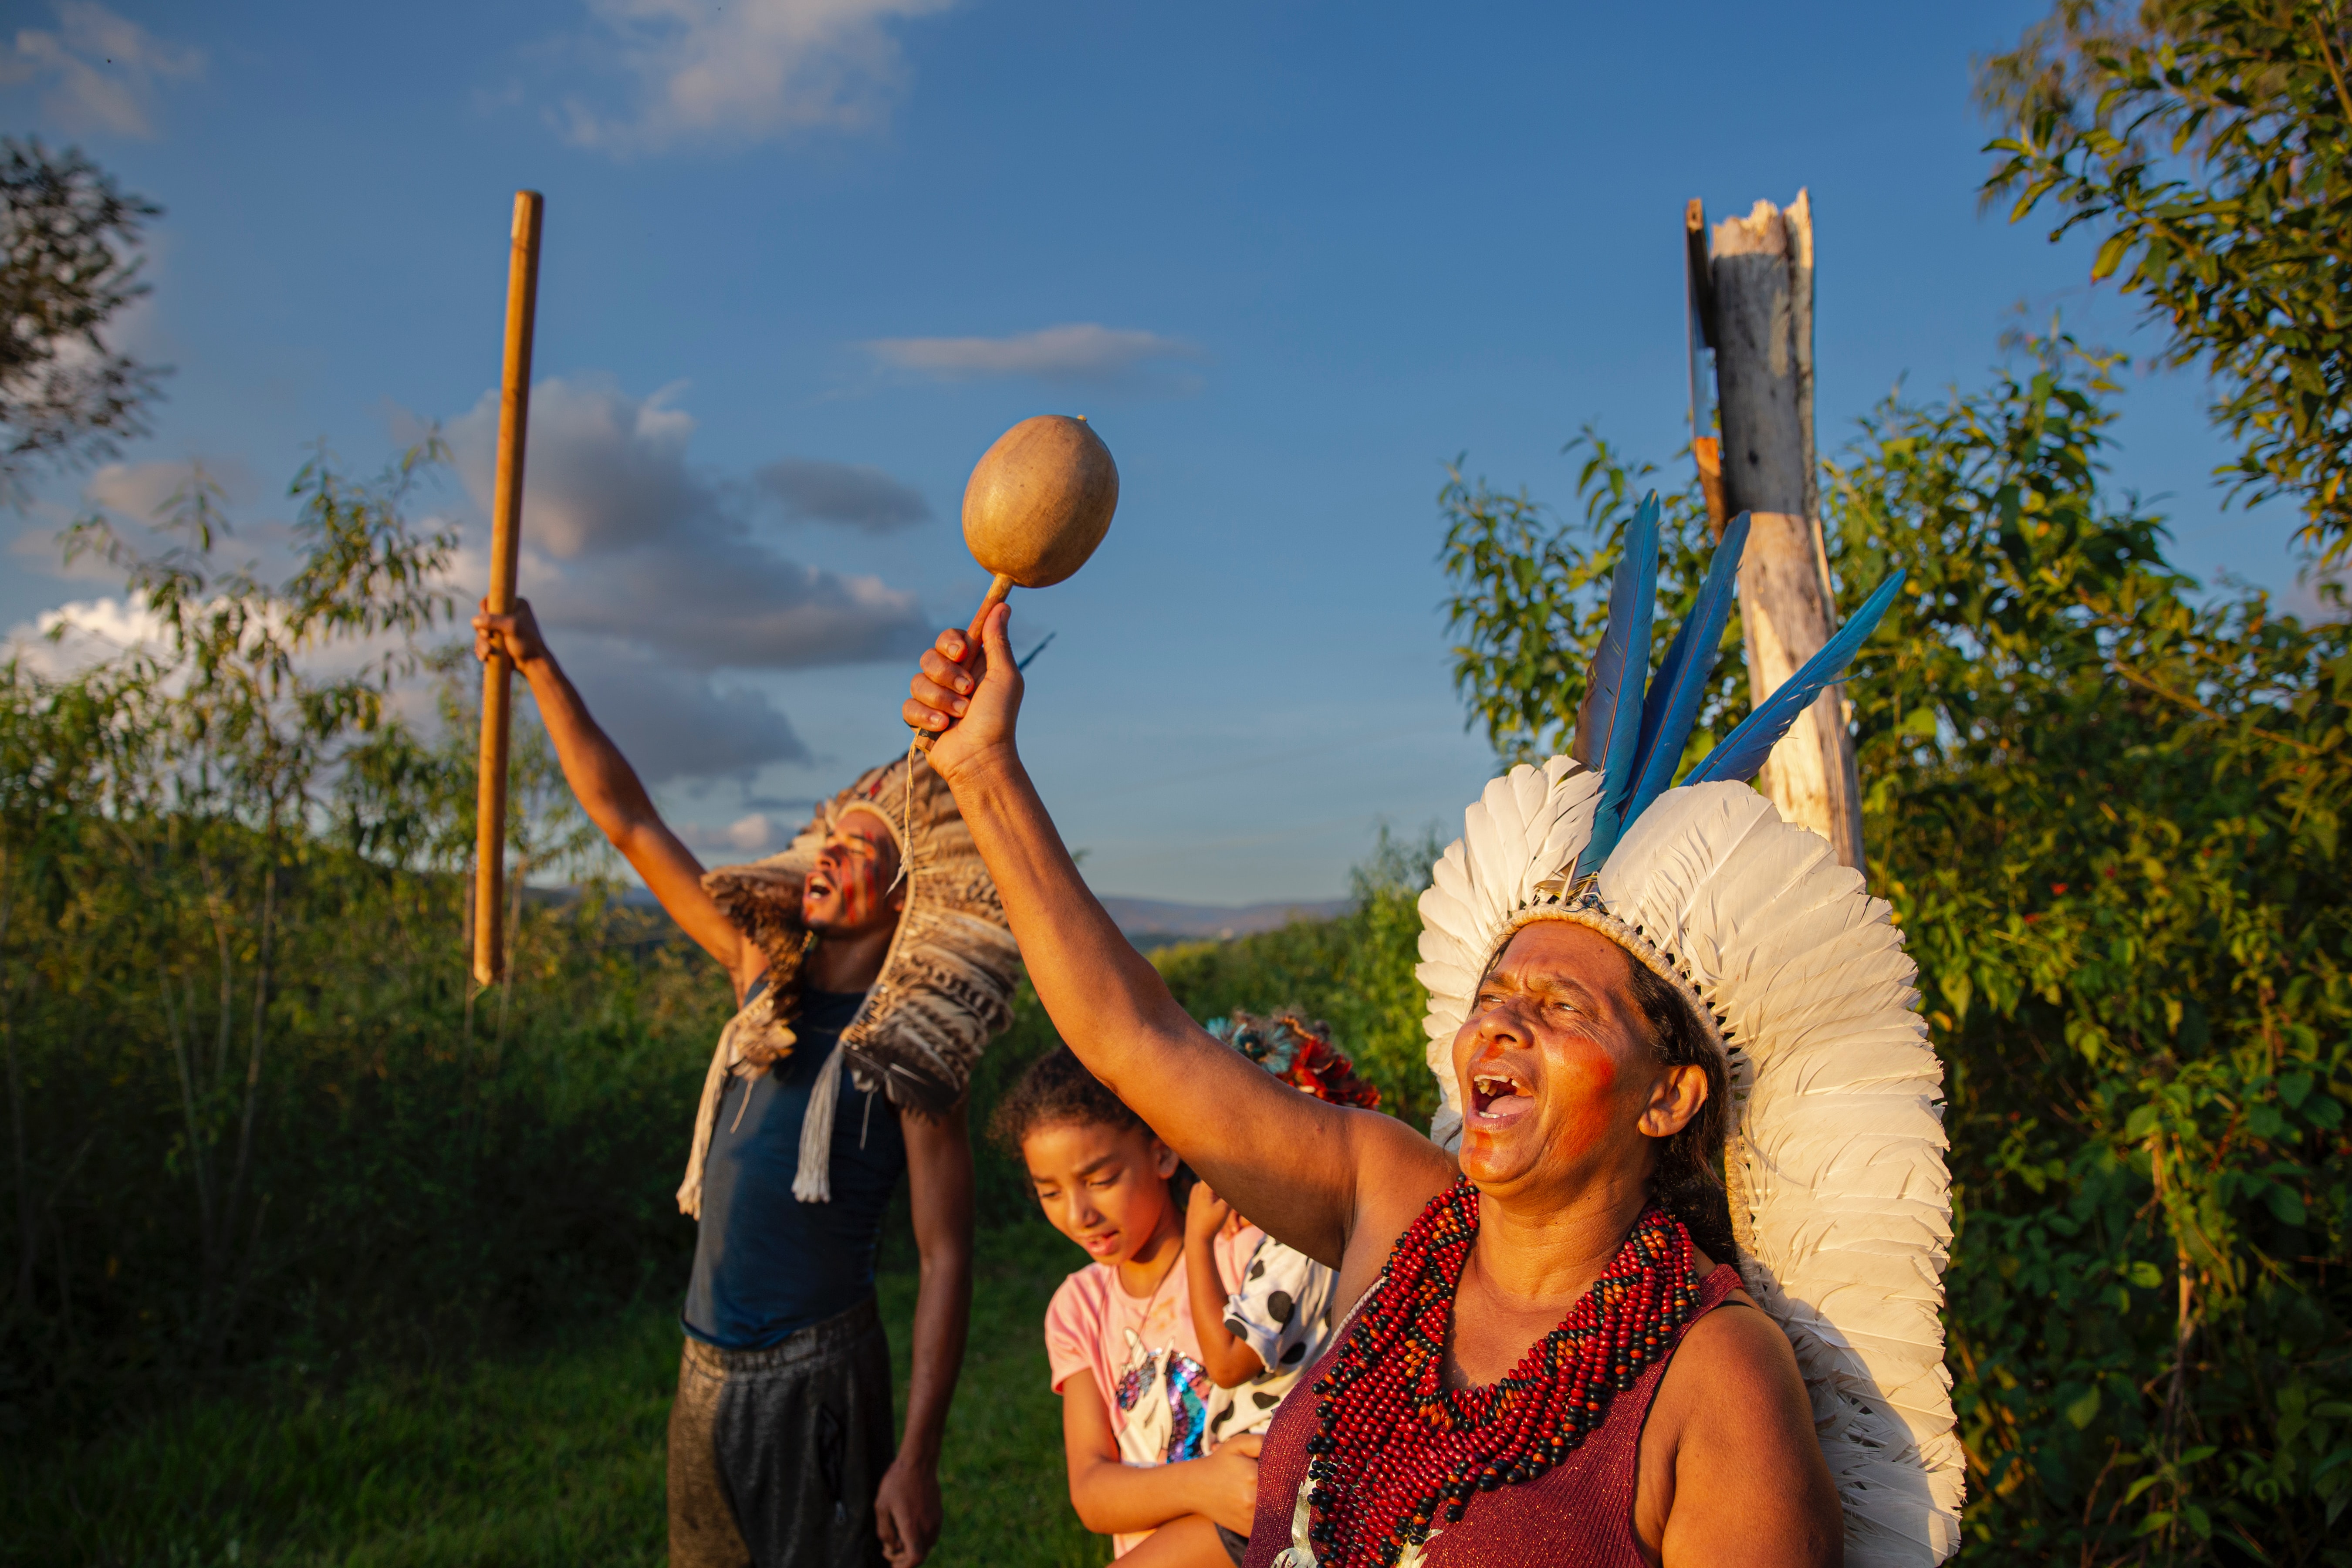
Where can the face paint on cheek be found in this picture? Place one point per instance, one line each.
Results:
(857, 895)
(1589, 1087)
(859, 886)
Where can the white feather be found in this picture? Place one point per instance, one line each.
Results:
(1841, 1140)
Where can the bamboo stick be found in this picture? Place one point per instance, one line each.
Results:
(506, 523)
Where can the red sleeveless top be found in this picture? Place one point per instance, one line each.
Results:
(1577, 1514)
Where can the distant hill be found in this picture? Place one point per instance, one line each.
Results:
(1154, 920)
(1149, 922)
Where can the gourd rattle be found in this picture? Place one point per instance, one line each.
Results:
(1038, 502)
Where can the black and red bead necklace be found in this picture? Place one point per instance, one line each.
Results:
(1396, 1454)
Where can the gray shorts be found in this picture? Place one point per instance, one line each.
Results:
(775, 1455)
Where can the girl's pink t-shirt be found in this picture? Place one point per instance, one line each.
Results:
(1145, 1357)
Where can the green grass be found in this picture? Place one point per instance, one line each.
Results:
(551, 1458)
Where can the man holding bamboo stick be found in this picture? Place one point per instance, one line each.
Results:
(870, 960)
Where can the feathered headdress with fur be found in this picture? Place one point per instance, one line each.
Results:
(1834, 1164)
(946, 985)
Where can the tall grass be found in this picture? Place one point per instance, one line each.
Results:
(432, 1396)
(545, 1458)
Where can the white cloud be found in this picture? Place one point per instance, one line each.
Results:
(40, 546)
(603, 470)
(623, 539)
(135, 497)
(746, 838)
(116, 620)
(2317, 592)
(673, 724)
(862, 498)
(74, 636)
(145, 492)
(741, 70)
(1078, 353)
(98, 71)
(724, 605)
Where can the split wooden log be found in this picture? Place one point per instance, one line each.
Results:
(506, 527)
(1761, 273)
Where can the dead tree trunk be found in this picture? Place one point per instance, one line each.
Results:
(1762, 271)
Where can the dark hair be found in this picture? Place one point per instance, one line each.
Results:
(1688, 1183)
(1056, 1091)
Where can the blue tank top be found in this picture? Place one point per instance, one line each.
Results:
(767, 1265)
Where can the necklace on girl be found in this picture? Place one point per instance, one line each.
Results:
(1395, 1453)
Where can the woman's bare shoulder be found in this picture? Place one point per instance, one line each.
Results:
(1737, 1346)
(1729, 1463)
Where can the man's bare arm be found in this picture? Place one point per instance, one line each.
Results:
(938, 1190)
(1310, 1174)
(615, 801)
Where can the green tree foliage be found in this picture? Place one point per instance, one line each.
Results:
(251, 1106)
(2107, 808)
(257, 1111)
(69, 264)
(1354, 972)
(1531, 597)
(2210, 142)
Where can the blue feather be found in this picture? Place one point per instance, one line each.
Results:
(1743, 750)
(1621, 670)
(1672, 705)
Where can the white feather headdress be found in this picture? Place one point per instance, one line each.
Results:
(1834, 1163)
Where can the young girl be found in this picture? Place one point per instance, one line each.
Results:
(1138, 1405)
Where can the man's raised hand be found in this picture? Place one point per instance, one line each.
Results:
(967, 698)
(517, 636)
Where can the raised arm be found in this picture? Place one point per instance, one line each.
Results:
(1313, 1175)
(610, 793)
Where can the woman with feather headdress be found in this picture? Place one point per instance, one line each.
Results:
(1662, 1283)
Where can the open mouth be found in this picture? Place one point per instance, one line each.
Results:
(1498, 1095)
(1102, 1244)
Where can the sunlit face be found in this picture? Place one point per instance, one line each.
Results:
(1559, 1084)
(1104, 1187)
(848, 893)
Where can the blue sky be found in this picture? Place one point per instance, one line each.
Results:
(805, 259)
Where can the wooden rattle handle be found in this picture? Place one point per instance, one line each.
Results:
(997, 590)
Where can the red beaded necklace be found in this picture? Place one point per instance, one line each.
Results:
(1395, 1452)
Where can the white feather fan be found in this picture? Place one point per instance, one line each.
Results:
(1838, 1188)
